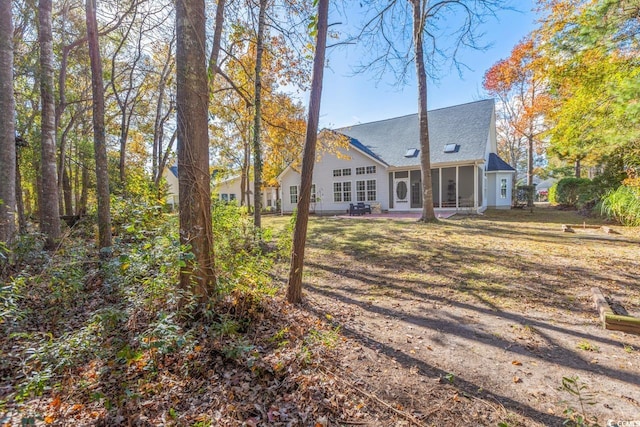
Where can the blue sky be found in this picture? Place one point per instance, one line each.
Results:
(350, 99)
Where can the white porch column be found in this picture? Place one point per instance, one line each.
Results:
(440, 185)
(475, 187)
(457, 188)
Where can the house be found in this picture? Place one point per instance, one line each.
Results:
(381, 165)
(230, 189)
(542, 188)
(170, 174)
(227, 190)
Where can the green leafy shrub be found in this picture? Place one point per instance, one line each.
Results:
(572, 192)
(622, 205)
(241, 264)
(553, 191)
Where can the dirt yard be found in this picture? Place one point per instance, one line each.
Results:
(476, 320)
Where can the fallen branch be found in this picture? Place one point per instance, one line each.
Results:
(375, 398)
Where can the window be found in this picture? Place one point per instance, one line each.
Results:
(293, 194)
(503, 188)
(224, 197)
(366, 191)
(342, 191)
(360, 191)
(346, 172)
(368, 169)
(313, 193)
(232, 196)
(371, 189)
(411, 152)
(337, 172)
(451, 148)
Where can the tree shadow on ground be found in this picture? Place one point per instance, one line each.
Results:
(466, 387)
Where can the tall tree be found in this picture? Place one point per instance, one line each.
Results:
(257, 120)
(294, 287)
(591, 53)
(193, 148)
(7, 126)
(521, 88)
(49, 202)
(99, 143)
(419, 16)
(395, 37)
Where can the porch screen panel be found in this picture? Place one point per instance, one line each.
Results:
(435, 187)
(448, 187)
(416, 189)
(466, 185)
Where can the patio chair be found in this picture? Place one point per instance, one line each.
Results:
(364, 208)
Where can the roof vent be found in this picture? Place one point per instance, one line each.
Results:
(411, 152)
(451, 148)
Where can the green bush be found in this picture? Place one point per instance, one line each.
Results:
(553, 191)
(622, 205)
(572, 192)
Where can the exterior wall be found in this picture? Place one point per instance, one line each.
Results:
(324, 180)
(173, 197)
(231, 190)
(494, 193)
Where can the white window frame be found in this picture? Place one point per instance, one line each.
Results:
(503, 188)
(360, 170)
(293, 194)
(370, 169)
(341, 193)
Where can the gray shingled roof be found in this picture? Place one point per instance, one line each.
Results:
(495, 163)
(466, 125)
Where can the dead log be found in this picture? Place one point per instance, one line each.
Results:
(567, 228)
(612, 321)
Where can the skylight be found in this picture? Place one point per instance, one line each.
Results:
(451, 148)
(411, 152)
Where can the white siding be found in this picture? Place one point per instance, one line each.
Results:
(323, 179)
(172, 187)
(225, 189)
(495, 197)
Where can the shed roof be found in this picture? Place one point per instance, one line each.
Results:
(465, 125)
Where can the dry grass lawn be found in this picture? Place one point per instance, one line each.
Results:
(478, 319)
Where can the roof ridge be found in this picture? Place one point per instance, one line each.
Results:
(414, 114)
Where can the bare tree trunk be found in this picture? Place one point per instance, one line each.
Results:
(215, 48)
(294, 288)
(193, 148)
(161, 117)
(67, 192)
(428, 213)
(49, 201)
(81, 208)
(22, 221)
(530, 160)
(99, 146)
(257, 148)
(7, 127)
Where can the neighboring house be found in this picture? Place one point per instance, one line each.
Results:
(170, 174)
(542, 189)
(381, 165)
(230, 189)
